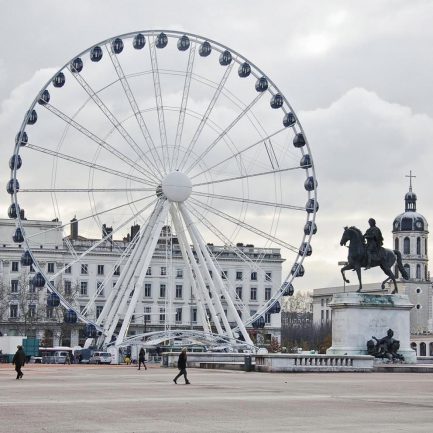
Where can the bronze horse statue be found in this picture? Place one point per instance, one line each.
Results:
(357, 258)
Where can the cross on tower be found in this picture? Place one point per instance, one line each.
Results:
(410, 176)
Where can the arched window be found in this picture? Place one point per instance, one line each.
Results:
(418, 246)
(406, 246)
(418, 271)
(414, 347)
(422, 349)
(396, 244)
(407, 269)
(431, 349)
(425, 275)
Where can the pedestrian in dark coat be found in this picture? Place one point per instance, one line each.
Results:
(19, 360)
(181, 365)
(142, 358)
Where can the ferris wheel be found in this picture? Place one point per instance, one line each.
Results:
(187, 140)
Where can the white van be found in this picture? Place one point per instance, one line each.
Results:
(100, 358)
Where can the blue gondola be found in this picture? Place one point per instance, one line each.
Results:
(12, 186)
(23, 140)
(288, 289)
(26, 258)
(76, 65)
(70, 316)
(259, 323)
(33, 117)
(205, 49)
(312, 206)
(53, 300)
(15, 161)
(261, 84)
(91, 331)
(306, 249)
(59, 80)
(117, 46)
(139, 41)
(277, 101)
(44, 98)
(299, 140)
(96, 54)
(225, 58)
(298, 270)
(275, 309)
(310, 228)
(310, 183)
(12, 211)
(161, 40)
(18, 236)
(38, 280)
(289, 119)
(306, 161)
(244, 70)
(183, 43)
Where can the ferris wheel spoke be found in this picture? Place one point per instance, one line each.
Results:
(83, 162)
(183, 105)
(235, 155)
(159, 104)
(206, 115)
(250, 201)
(100, 142)
(137, 113)
(111, 117)
(244, 225)
(224, 132)
(247, 176)
(87, 190)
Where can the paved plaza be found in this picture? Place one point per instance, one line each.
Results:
(121, 399)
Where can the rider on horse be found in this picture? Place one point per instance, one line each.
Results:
(374, 239)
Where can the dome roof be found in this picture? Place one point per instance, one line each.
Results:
(410, 221)
(410, 196)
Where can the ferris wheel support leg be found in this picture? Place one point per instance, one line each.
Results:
(183, 247)
(156, 228)
(205, 251)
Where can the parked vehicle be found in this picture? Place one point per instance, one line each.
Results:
(100, 358)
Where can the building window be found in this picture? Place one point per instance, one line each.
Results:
(149, 271)
(116, 270)
(14, 286)
(178, 291)
(31, 312)
(161, 315)
(100, 288)
(267, 318)
(49, 312)
(418, 271)
(239, 275)
(83, 288)
(253, 293)
(99, 309)
(268, 276)
(268, 291)
(50, 268)
(194, 315)
(84, 269)
(253, 276)
(418, 246)
(162, 290)
(396, 244)
(68, 270)
(322, 315)
(163, 270)
(13, 311)
(179, 273)
(178, 317)
(147, 290)
(224, 275)
(239, 292)
(407, 269)
(147, 311)
(327, 315)
(406, 246)
(322, 302)
(68, 287)
(100, 270)
(15, 266)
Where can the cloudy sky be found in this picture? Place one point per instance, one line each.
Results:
(358, 74)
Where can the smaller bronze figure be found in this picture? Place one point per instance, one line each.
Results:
(386, 347)
(374, 239)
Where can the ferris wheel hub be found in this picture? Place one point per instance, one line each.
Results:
(176, 186)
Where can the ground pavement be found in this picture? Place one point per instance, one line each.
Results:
(121, 399)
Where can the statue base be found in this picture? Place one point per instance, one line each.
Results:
(357, 317)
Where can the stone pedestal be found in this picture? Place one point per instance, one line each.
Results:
(356, 317)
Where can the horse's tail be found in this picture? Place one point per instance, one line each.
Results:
(400, 265)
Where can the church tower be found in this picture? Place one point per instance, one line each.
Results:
(410, 237)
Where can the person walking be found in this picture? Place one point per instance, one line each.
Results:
(142, 359)
(19, 360)
(181, 365)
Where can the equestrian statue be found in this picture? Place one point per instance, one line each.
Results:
(367, 251)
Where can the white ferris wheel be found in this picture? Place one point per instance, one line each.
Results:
(179, 135)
